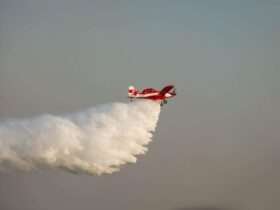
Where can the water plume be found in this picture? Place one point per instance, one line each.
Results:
(95, 141)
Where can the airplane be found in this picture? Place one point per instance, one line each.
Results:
(160, 96)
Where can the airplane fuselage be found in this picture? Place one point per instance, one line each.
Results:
(152, 94)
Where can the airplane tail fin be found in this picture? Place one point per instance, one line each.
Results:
(166, 89)
(132, 91)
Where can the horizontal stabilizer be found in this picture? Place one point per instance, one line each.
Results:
(166, 89)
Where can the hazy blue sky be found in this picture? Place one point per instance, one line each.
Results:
(217, 144)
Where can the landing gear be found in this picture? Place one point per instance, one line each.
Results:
(163, 102)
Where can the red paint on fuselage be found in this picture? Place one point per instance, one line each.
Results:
(152, 94)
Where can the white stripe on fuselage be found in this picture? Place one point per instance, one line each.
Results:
(140, 95)
(145, 95)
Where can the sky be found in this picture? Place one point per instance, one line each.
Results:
(217, 143)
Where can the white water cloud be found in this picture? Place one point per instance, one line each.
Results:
(95, 141)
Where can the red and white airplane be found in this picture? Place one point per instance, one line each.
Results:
(152, 94)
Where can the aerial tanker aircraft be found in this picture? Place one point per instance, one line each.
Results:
(160, 96)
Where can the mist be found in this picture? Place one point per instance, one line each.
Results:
(95, 141)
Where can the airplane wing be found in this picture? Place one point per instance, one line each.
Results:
(166, 89)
